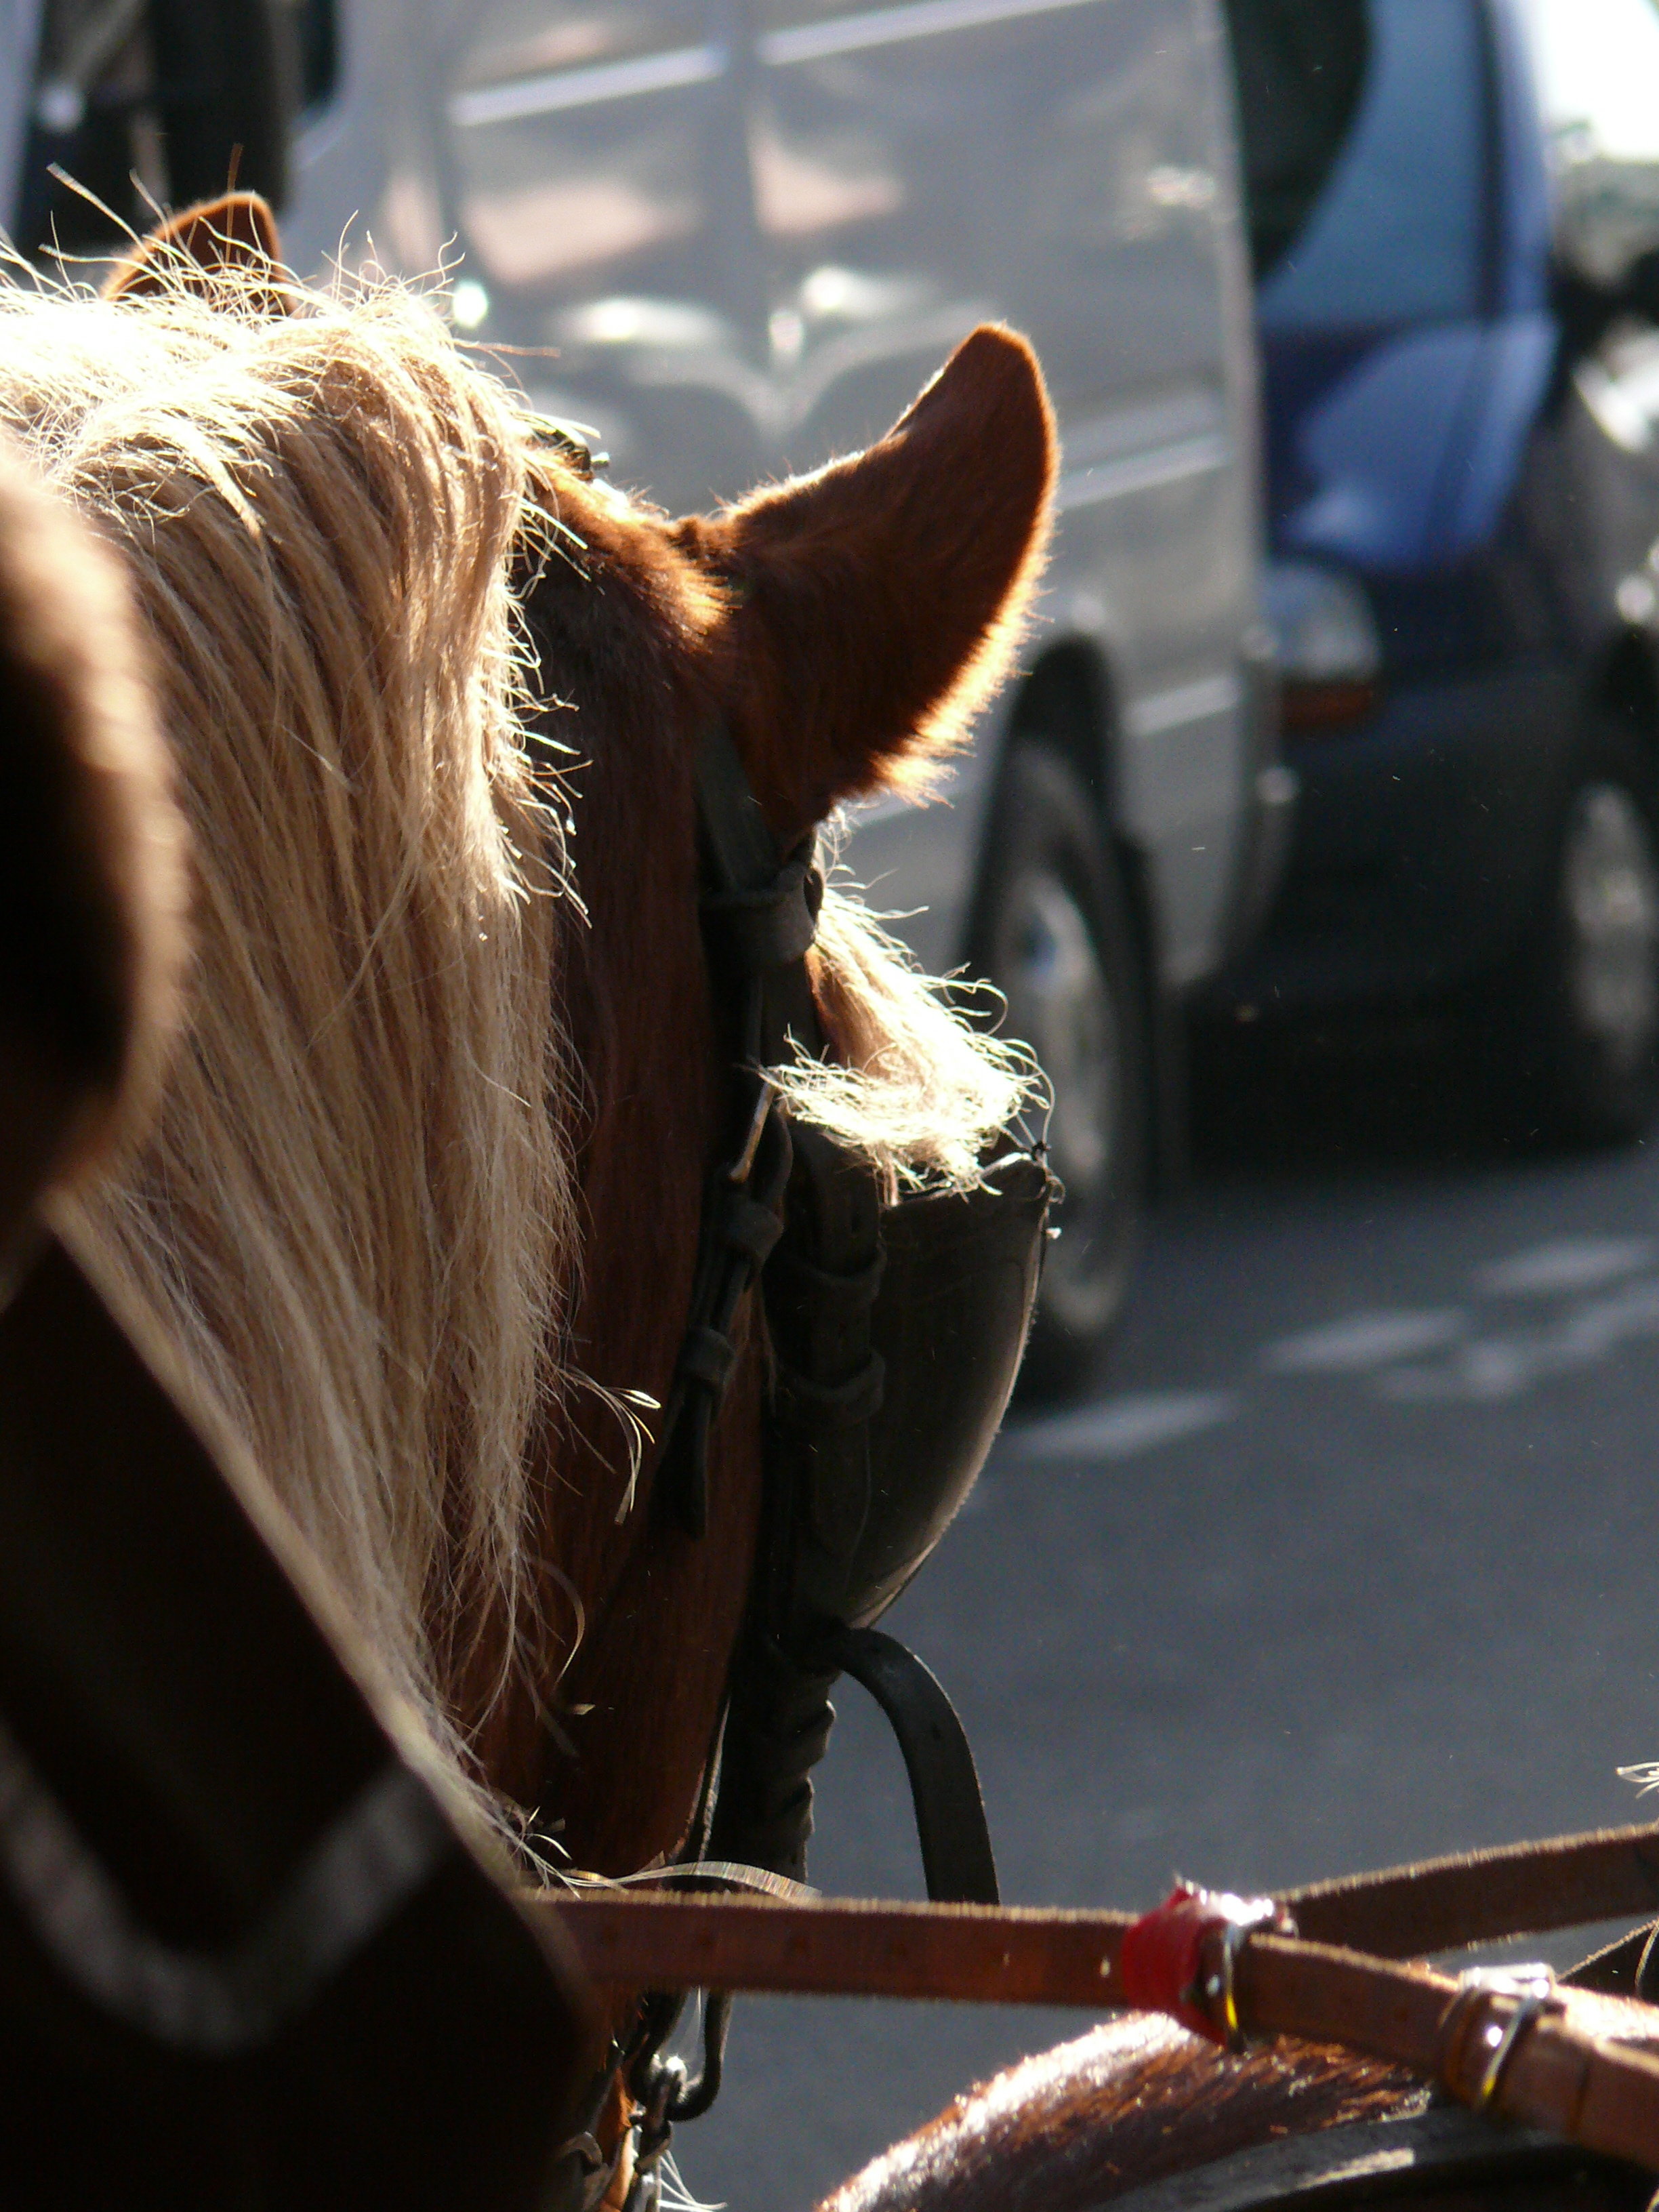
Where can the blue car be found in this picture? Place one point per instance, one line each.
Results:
(1455, 232)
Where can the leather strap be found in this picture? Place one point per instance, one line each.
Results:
(957, 1860)
(1576, 2066)
(760, 911)
(1447, 1904)
(739, 851)
(1481, 1897)
(1005, 1954)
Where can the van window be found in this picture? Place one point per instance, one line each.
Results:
(1300, 67)
(1397, 235)
(1597, 66)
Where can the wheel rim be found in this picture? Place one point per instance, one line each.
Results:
(1060, 1003)
(1610, 888)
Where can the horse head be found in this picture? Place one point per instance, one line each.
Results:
(421, 1211)
(843, 628)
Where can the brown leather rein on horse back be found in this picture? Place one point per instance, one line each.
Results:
(1512, 2042)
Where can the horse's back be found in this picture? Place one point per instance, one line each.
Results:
(1141, 2115)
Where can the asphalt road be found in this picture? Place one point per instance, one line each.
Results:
(1352, 1560)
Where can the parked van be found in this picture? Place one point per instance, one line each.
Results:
(1457, 220)
(735, 236)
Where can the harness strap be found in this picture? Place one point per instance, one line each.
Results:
(823, 1276)
(760, 912)
(1584, 2066)
(796, 1277)
(777, 1731)
(741, 1225)
(767, 928)
(708, 1358)
(826, 1410)
(1015, 1956)
(957, 1859)
(809, 1211)
(739, 850)
(1481, 1896)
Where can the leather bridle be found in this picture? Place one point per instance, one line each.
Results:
(808, 1219)
(874, 1428)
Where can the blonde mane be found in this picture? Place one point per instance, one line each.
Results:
(354, 1217)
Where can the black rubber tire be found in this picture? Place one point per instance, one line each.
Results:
(1052, 897)
(1572, 1047)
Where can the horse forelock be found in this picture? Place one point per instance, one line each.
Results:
(355, 1215)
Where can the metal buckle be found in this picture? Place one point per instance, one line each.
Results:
(1532, 1987)
(743, 1167)
(1215, 1990)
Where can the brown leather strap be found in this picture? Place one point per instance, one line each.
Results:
(845, 1948)
(1560, 2068)
(1563, 2069)
(1481, 1897)
(1436, 1904)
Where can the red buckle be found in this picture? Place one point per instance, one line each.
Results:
(1180, 1959)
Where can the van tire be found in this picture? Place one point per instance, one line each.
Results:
(1056, 939)
(1577, 1034)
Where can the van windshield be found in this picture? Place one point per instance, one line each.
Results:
(1396, 235)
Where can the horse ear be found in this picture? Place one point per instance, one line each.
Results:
(233, 236)
(874, 607)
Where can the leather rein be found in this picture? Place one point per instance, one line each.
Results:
(1576, 2059)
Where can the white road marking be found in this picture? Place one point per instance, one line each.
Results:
(1394, 1348)
(1361, 1342)
(1495, 1367)
(1574, 1263)
(1122, 1426)
(1600, 1327)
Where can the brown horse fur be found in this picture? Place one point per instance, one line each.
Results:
(422, 1203)
(1139, 2100)
(91, 877)
(1134, 2101)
